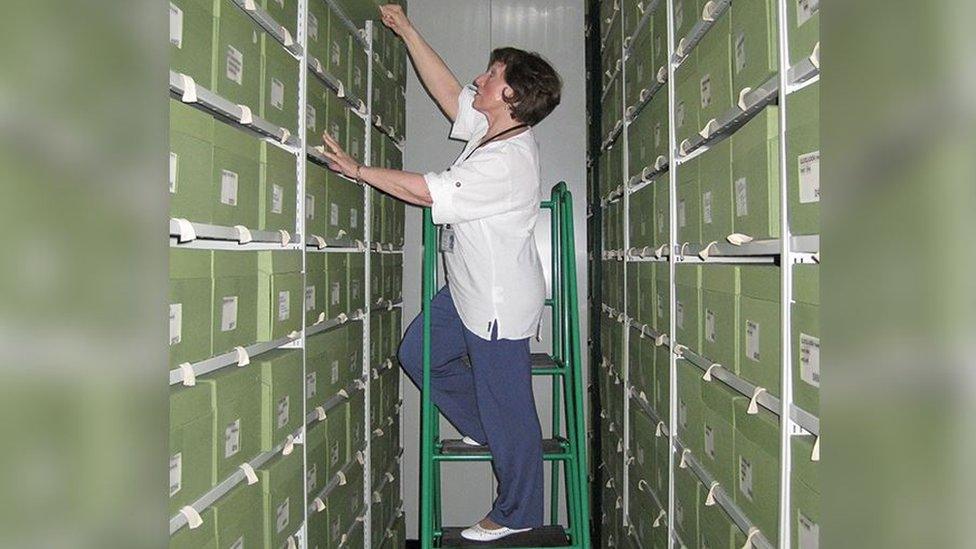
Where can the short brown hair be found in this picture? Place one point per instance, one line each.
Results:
(536, 85)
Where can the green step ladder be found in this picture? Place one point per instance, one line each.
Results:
(566, 451)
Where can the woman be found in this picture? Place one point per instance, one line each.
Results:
(487, 203)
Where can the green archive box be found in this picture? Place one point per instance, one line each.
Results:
(345, 207)
(238, 517)
(283, 500)
(642, 373)
(806, 494)
(191, 447)
(715, 529)
(662, 298)
(755, 176)
(279, 182)
(377, 266)
(191, 27)
(190, 299)
(720, 315)
(396, 288)
(755, 56)
(715, 181)
(375, 338)
(281, 396)
(236, 179)
(689, 203)
(315, 288)
(640, 68)
(662, 381)
(317, 31)
(803, 17)
(715, 95)
(326, 352)
(236, 393)
(687, 99)
(316, 110)
(633, 290)
(338, 58)
(237, 56)
(803, 160)
(688, 492)
(201, 537)
(759, 327)
(719, 431)
(642, 218)
(662, 210)
(687, 307)
(690, 406)
(659, 31)
(355, 136)
(316, 470)
(337, 441)
(235, 300)
(756, 448)
(358, 66)
(335, 122)
(281, 294)
(337, 284)
(634, 364)
(354, 352)
(191, 135)
(279, 85)
(658, 111)
(395, 332)
(806, 337)
(356, 263)
(285, 12)
(686, 14)
(636, 135)
(316, 200)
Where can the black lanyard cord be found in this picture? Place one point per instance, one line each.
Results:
(494, 137)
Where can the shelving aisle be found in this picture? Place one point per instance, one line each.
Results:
(704, 197)
(285, 278)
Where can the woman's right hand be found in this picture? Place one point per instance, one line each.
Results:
(394, 18)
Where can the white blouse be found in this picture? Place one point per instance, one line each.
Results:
(492, 201)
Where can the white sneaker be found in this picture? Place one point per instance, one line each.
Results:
(470, 441)
(480, 533)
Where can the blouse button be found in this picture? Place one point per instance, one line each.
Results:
(457, 184)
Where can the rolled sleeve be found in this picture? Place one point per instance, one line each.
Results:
(468, 121)
(477, 188)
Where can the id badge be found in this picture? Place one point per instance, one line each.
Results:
(447, 239)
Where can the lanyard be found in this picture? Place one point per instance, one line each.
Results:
(496, 136)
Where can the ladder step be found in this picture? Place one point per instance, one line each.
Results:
(552, 448)
(545, 536)
(542, 360)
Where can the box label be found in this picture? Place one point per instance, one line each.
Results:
(808, 166)
(175, 26)
(681, 213)
(357, 77)
(810, 359)
(805, 9)
(660, 221)
(679, 312)
(175, 323)
(234, 63)
(808, 532)
(740, 52)
(679, 511)
(239, 544)
(657, 134)
(333, 214)
(354, 218)
(741, 197)
(313, 27)
(752, 340)
(709, 326)
(309, 206)
(310, 385)
(232, 438)
(336, 54)
(682, 414)
(709, 442)
(277, 198)
(707, 207)
(335, 372)
(309, 298)
(283, 405)
(660, 305)
(277, 94)
(311, 477)
(228, 314)
(706, 90)
(335, 293)
(175, 473)
(679, 114)
(336, 531)
(679, 18)
(640, 455)
(745, 477)
(334, 129)
(281, 516)
(354, 287)
(310, 117)
(174, 166)
(334, 454)
(284, 307)
(228, 187)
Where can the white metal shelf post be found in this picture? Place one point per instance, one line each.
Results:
(624, 203)
(672, 252)
(300, 227)
(367, 322)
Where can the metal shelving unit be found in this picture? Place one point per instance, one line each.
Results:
(785, 251)
(186, 234)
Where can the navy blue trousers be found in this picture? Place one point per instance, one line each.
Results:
(491, 401)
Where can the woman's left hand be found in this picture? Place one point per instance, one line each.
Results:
(339, 160)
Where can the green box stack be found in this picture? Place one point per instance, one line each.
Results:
(755, 176)
(238, 517)
(236, 179)
(720, 315)
(806, 494)
(191, 446)
(690, 406)
(326, 365)
(803, 17)
(283, 501)
(687, 305)
(190, 299)
(337, 283)
(191, 157)
(715, 180)
(806, 337)
(279, 182)
(281, 396)
(235, 300)
(803, 160)
(689, 203)
(279, 89)
(191, 27)
(714, 72)
(719, 431)
(754, 49)
(759, 327)
(280, 294)
(237, 56)
(236, 393)
(756, 443)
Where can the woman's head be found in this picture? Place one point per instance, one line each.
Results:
(522, 82)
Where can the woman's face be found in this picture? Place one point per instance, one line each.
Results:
(492, 89)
